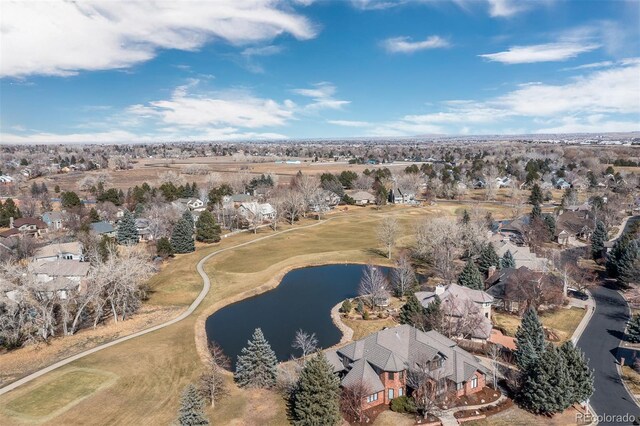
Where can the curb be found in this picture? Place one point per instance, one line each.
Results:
(591, 310)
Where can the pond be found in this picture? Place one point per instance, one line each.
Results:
(303, 300)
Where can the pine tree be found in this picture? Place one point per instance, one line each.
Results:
(547, 389)
(433, 316)
(536, 197)
(207, 230)
(598, 238)
(633, 329)
(629, 264)
(507, 260)
(466, 218)
(127, 231)
(617, 251)
(536, 211)
(529, 340)
(581, 377)
(189, 218)
(191, 412)
(488, 258)
(316, 400)
(163, 247)
(94, 216)
(550, 221)
(412, 312)
(471, 277)
(182, 237)
(256, 365)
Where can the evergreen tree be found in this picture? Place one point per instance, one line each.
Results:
(471, 277)
(466, 218)
(70, 199)
(182, 237)
(488, 258)
(529, 340)
(163, 247)
(629, 264)
(8, 211)
(616, 253)
(207, 230)
(189, 218)
(139, 210)
(257, 364)
(598, 238)
(536, 196)
(433, 315)
(550, 221)
(633, 329)
(412, 312)
(507, 260)
(536, 212)
(94, 216)
(191, 412)
(547, 387)
(127, 231)
(581, 377)
(316, 400)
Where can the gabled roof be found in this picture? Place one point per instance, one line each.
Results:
(102, 227)
(63, 268)
(55, 249)
(399, 348)
(29, 221)
(361, 372)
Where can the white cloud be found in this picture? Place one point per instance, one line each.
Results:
(322, 95)
(505, 8)
(64, 37)
(349, 123)
(376, 4)
(405, 45)
(602, 101)
(548, 52)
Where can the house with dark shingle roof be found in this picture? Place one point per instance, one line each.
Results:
(382, 360)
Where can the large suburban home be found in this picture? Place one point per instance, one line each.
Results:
(53, 220)
(61, 276)
(514, 230)
(144, 230)
(58, 251)
(515, 289)
(522, 255)
(468, 311)
(362, 198)
(192, 203)
(234, 201)
(572, 226)
(103, 228)
(25, 226)
(398, 196)
(253, 210)
(382, 360)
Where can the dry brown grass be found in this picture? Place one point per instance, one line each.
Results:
(562, 321)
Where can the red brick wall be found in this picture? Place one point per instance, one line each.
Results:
(380, 401)
(468, 390)
(395, 384)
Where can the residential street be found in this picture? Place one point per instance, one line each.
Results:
(599, 341)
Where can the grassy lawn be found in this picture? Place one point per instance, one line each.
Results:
(563, 321)
(48, 398)
(516, 416)
(152, 370)
(362, 328)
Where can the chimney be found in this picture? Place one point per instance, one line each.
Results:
(491, 271)
(439, 289)
(11, 222)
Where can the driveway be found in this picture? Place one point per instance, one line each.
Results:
(599, 342)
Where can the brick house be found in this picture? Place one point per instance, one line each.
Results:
(381, 362)
(25, 226)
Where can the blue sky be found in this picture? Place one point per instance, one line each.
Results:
(221, 70)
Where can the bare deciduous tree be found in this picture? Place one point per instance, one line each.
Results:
(292, 204)
(374, 287)
(351, 401)
(305, 343)
(388, 233)
(212, 381)
(403, 277)
(438, 241)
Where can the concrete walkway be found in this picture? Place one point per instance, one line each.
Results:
(203, 293)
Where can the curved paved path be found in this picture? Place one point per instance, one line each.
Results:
(203, 293)
(599, 342)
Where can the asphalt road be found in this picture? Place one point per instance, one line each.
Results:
(599, 342)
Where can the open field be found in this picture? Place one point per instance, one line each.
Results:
(562, 321)
(152, 370)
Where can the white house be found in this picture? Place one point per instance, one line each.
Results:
(252, 210)
(53, 220)
(193, 204)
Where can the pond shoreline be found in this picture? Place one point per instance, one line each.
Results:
(201, 338)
